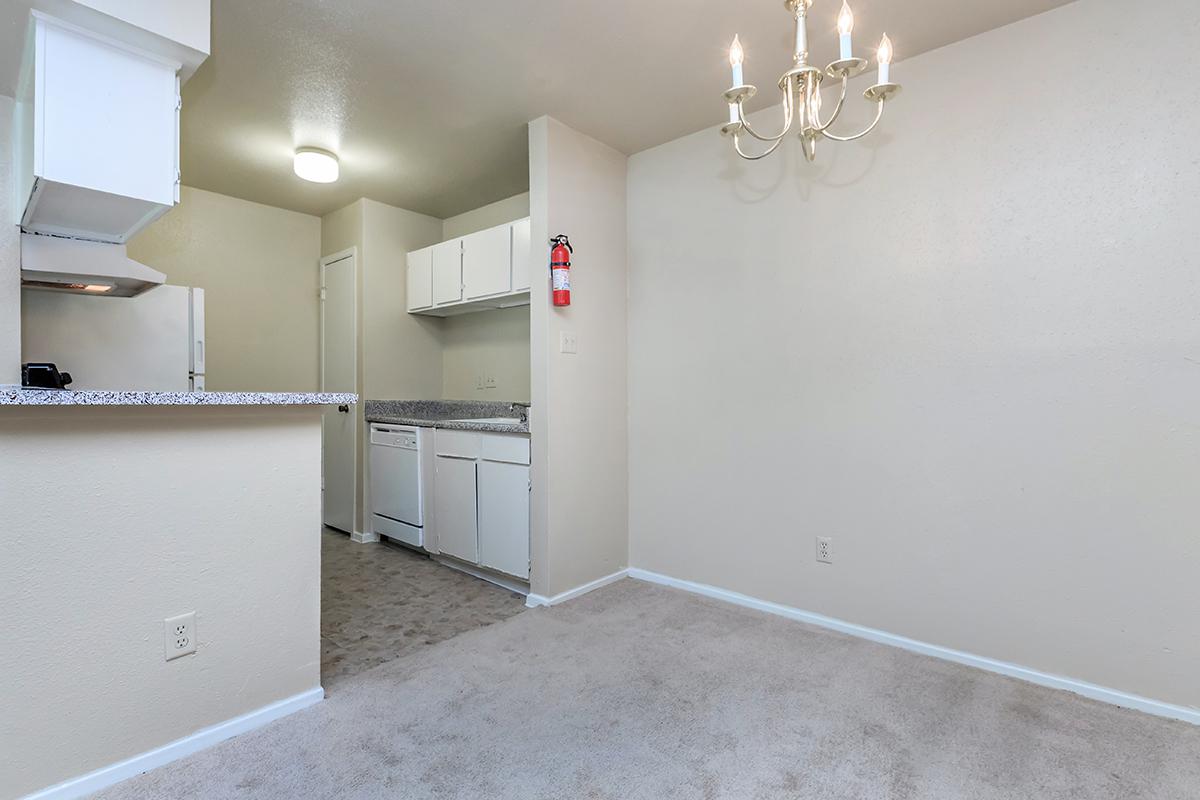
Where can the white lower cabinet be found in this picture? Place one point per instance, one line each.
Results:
(504, 517)
(455, 509)
(481, 499)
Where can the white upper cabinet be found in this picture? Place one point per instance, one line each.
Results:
(97, 135)
(520, 255)
(487, 263)
(480, 271)
(447, 272)
(420, 279)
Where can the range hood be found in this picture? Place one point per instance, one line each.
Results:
(81, 267)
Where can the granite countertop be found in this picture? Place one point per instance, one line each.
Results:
(448, 414)
(53, 397)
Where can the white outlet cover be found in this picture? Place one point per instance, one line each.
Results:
(179, 635)
(568, 343)
(825, 549)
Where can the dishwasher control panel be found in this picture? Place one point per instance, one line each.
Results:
(393, 437)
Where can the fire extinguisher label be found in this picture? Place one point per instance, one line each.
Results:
(561, 280)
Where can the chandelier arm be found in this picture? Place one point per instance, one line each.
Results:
(837, 109)
(738, 147)
(788, 113)
(871, 127)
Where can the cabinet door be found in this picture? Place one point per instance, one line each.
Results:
(504, 517)
(520, 256)
(447, 272)
(487, 263)
(420, 279)
(454, 508)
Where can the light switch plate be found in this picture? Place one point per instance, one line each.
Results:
(568, 343)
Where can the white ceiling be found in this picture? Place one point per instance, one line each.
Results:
(426, 100)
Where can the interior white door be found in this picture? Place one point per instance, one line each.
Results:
(487, 263)
(504, 517)
(339, 374)
(454, 509)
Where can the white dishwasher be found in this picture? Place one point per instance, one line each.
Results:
(399, 482)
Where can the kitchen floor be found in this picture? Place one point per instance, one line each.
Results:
(381, 601)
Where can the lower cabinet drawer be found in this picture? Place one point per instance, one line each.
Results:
(504, 448)
(459, 444)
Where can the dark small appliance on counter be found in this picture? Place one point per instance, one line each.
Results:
(43, 376)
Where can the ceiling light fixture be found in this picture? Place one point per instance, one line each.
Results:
(313, 164)
(801, 87)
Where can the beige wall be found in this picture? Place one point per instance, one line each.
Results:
(489, 216)
(10, 257)
(127, 517)
(399, 354)
(258, 267)
(402, 352)
(965, 348)
(491, 344)
(185, 21)
(578, 506)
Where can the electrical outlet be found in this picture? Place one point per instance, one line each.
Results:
(489, 382)
(825, 549)
(478, 381)
(179, 635)
(568, 343)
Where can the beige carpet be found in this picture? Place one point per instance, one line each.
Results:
(638, 691)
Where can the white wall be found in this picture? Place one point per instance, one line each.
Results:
(116, 519)
(966, 348)
(258, 267)
(491, 344)
(578, 505)
(489, 216)
(402, 352)
(10, 256)
(399, 354)
(188, 22)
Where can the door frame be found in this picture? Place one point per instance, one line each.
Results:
(325, 262)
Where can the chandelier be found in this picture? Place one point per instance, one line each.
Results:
(801, 87)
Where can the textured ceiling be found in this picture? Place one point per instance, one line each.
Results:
(426, 100)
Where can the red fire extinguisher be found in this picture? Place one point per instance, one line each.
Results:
(560, 269)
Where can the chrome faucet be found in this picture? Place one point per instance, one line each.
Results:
(521, 410)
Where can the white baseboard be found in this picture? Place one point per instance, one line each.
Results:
(1104, 694)
(535, 600)
(201, 739)
(364, 538)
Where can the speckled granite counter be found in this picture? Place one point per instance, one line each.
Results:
(450, 414)
(50, 397)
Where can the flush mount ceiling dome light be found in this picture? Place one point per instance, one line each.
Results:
(316, 165)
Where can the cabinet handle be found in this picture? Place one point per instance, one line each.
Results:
(344, 409)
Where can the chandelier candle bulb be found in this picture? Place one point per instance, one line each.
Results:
(845, 29)
(885, 60)
(736, 56)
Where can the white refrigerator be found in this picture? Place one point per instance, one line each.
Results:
(153, 342)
